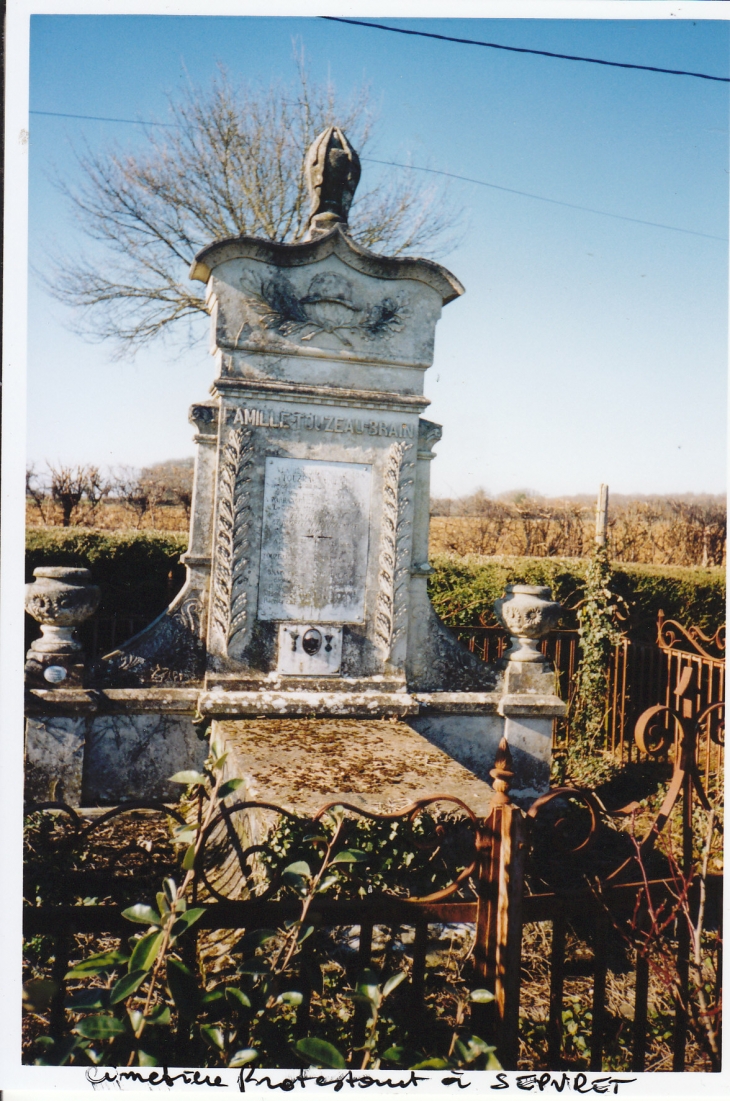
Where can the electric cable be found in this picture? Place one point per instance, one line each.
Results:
(524, 49)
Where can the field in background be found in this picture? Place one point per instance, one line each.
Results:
(634, 535)
(689, 530)
(111, 516)
(639, 532)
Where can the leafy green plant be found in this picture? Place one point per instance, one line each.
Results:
(463, 589)
(148, 1001)
(598, 635)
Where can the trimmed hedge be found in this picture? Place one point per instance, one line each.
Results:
(462, 589)
(139, 572)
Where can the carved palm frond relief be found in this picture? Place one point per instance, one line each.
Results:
(394, 544)
(229, 610)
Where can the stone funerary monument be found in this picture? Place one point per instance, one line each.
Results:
(305, 620)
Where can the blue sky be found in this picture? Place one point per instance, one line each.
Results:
(587, 349)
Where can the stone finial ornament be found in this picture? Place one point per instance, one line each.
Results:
(331, 172)
(60, 599)
(528, 613)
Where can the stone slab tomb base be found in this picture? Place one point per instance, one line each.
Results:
(302, 765)
(105, 759)
(381, 765)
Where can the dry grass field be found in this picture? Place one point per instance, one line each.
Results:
(658, 531)
(110, 516)
(655, 531)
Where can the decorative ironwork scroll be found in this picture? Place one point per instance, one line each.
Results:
(232, 864)
(671, 635)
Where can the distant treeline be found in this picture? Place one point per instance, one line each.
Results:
(110, 499)
(681, 530)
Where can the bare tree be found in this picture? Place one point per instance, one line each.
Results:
(72, 485)
(229, 162)
(174, 481)
(136, 489)
(37, 491)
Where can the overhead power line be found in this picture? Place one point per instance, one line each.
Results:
(523, 49)
(434, 172)
(100, 118)
(545, 199)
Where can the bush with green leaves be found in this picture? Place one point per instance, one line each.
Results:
(148, 1002)
(463, 590)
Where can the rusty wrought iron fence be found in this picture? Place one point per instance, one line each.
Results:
(641, 674)
(481, 862)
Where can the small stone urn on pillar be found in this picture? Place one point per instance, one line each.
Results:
(60, 598)
(529, 613)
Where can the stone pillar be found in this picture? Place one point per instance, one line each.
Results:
(197, 558)
(419, 604)
(60, 598)
(529, 703)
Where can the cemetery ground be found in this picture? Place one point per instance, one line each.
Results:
(235, 997)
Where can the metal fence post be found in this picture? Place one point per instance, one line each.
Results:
(498, 948)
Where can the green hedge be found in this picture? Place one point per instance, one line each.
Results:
(139, 572)
(464, 588)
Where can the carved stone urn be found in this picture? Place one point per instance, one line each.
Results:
(528, 613)
(60, 598)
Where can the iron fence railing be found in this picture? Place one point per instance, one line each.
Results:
(475, 892)
(641, 674)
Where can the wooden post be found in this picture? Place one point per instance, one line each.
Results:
(602, 516)
(498, 947)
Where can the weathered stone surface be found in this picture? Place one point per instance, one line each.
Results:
(301, 765)
(530, 741)
(54, 758)
(133, 756)
(342, 702)
(170, 651)
(60, 598)
(310, 524)
(472, 740)
(315, 538)
(528, 612)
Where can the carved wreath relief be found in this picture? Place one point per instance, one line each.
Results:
(229, 605)
(329, 306)
(394, 535)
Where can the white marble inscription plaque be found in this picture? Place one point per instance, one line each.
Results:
(314, 545)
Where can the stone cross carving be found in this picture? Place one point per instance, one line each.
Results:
(331, 172)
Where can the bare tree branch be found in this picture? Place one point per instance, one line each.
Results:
(231, 165)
